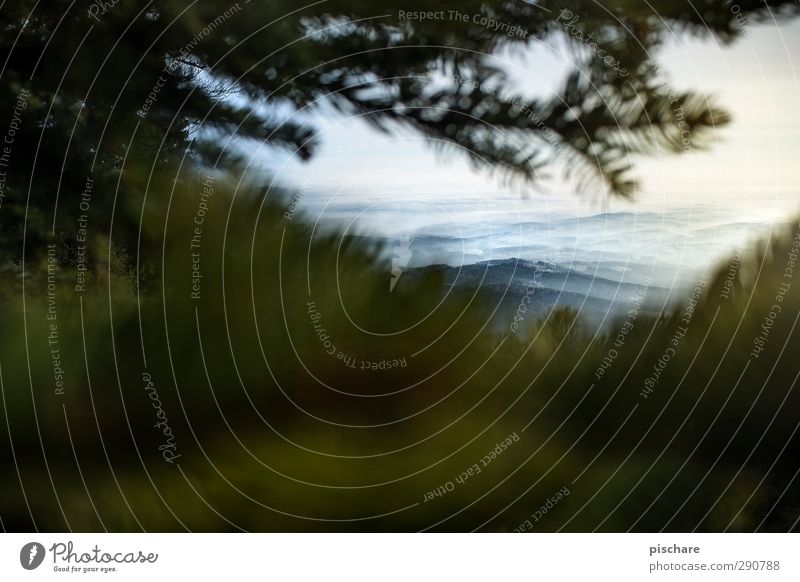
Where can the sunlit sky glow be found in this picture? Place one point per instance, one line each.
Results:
(750, 178)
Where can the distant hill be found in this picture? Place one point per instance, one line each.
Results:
(507, 282)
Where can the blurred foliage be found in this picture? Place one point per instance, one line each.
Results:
(272, 432)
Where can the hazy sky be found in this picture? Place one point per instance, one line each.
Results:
(755, 78)
(750, 176)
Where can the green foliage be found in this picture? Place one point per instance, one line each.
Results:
(271, 429)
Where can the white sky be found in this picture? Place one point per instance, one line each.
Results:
(752, 169)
